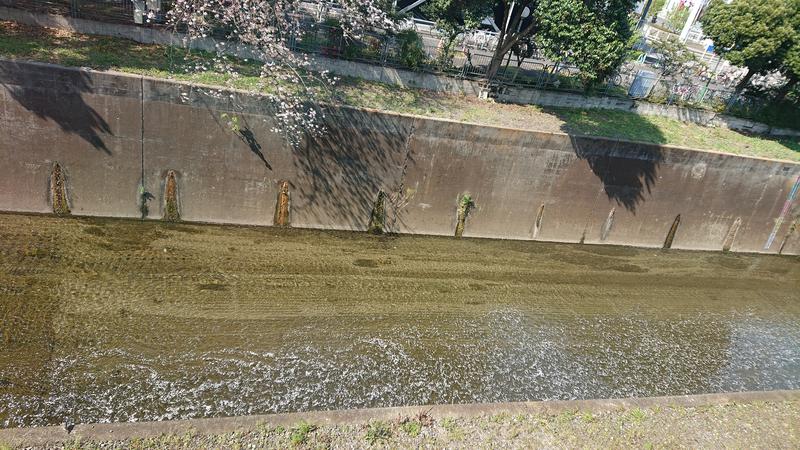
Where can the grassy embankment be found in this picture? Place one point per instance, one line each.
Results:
(757, 425)
(108, 53)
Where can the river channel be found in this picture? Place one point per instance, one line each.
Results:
(122, 320)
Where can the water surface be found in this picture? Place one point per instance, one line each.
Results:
(113, 320)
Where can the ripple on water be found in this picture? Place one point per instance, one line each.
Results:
(149, 322)
(506, 354)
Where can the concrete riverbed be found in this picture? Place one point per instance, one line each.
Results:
(121, 320)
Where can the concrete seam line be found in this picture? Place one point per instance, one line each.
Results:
(37, 436)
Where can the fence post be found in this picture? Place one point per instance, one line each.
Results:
(385, 51)
(73, 8)
(729, 104)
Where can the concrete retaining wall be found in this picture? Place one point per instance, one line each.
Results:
(113, 133)
(407, 78)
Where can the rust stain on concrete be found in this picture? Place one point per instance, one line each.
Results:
(171, 209)
(282, 206)
(58, 191)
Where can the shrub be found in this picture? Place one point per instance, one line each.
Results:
(412, 50)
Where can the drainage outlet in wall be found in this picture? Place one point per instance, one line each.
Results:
(537, 225)
(671, 233)
(731, 236)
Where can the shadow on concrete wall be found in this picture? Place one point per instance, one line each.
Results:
(628, 171)
(67, 108)
(340, 173)
(249, 138)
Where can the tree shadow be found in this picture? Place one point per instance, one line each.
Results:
(67, 108)
(792, 143)
(341, 171)
(55, 7)
(208, 100)
(627, 168)
(249, 138)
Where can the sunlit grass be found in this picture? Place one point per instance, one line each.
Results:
(109, 53)
(655, 129)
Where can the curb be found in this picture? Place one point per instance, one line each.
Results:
(53, 435)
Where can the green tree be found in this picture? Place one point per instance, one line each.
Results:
(656, 7)
(675, 57)
(677, 18)
(454, 17)
(591, 34)
(759, 35)
(412, 50)
(792, 71)
(791, 62)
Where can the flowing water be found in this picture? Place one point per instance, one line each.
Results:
(114, 320)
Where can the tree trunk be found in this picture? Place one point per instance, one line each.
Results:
(505, 41)
(519, 68)
(786, 88)
(654, 86)
(494, 67)
(497, 58)
(745, 81)
(446, 53)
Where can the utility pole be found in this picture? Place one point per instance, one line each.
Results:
(645, 10)
(693, 13)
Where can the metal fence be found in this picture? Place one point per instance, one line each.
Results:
(470, 61)
(536, 72)
(120, 11)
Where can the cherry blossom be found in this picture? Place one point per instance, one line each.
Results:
(261, 31)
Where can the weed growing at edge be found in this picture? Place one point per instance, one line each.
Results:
(300, 432)
(377, 431)
(637, 415)
(411, 428)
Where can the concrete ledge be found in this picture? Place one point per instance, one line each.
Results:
(53, 435)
